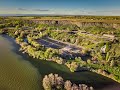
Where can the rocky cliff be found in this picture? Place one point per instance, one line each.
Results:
(80, 23)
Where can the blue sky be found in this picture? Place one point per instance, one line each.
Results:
(68, 7)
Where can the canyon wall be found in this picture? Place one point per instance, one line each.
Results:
(79, 23)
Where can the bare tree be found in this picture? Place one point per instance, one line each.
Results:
(68, 85)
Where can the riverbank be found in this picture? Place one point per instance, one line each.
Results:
(88, 78)
(26, 33)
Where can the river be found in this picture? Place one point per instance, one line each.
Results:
(20, 72)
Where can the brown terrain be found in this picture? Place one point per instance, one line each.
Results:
(81, 23)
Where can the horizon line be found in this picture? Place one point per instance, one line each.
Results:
(51, 15)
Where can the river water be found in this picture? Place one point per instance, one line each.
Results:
(20, 72)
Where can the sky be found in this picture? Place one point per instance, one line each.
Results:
(61, 7)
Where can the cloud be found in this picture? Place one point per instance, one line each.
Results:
(22, 9)
(106, 12)
(41, 10)
(111, 11)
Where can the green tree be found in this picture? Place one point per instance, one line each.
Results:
(112, 63)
